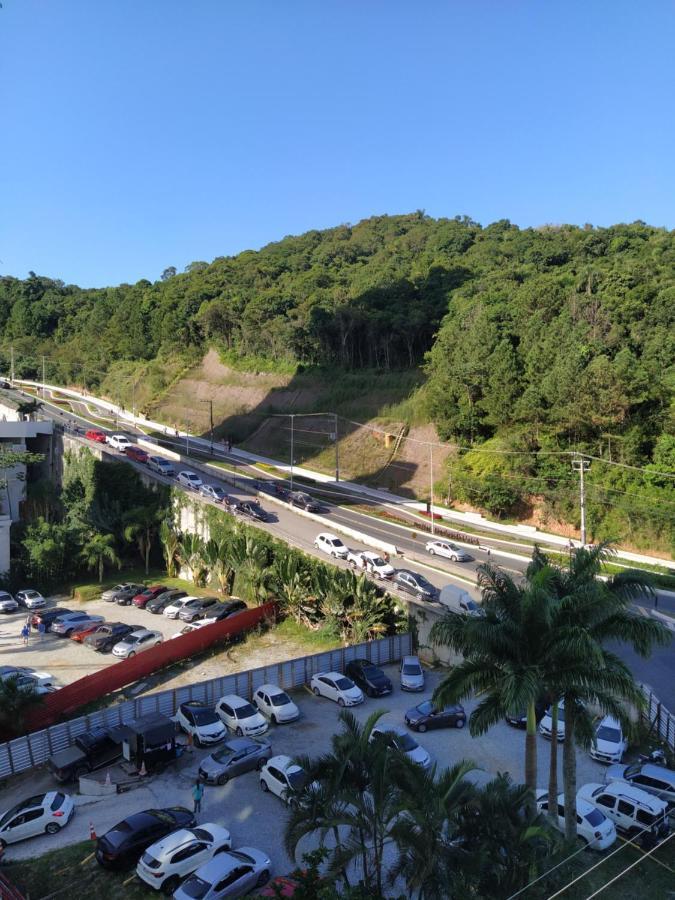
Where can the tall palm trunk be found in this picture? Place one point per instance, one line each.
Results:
(531, 748)
(553, 766)
(570, 774)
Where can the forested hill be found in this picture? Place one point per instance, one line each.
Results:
(557, 336)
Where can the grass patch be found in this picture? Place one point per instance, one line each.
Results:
(315, 641)
(91, 590)
(69, 869)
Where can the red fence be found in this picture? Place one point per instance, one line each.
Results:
(8, 891)
(65, 701)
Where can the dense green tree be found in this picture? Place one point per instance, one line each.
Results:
(97, 550)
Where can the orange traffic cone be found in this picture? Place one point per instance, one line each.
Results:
(92, 832)
(143, 771)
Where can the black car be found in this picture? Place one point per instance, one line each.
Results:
(253, 510)
(304, 501)
(107, 635)
(369, 678)
(48, 615)
(200, 608)
(124, 844)
(225, 610)
(518, 718)
(157, 605)
(425, 716)
(415, 584)
(124, 598)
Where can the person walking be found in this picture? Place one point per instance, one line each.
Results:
(25, 633)
(41, 630)
(197, 795)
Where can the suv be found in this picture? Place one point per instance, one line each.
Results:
(161, 466)
(110, 596)
(91, 750)
(633, 811)
(158, 603)
(48, 615)
(656, 780)
(199, 608)
(119, 442)
(150, 593)
(124, 598)
(107, 635)
(304, 501)
(368, 677)
(609, 743)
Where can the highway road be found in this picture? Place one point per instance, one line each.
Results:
(658, 671)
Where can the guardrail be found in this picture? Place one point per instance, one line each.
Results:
(34, 749)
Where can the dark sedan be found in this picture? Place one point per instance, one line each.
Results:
(106, 636)
(123, 845)
(157, 605)
(253, 511)
(48, 615)
(304, 501)
(425, 716)
(124, 598)
(369, 678)
(199, 608)
(518, 718)
(225, 610)
(237, 755)
(415, 584)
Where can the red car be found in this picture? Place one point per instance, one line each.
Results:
(148, 594)
(135, 453)
(94, 435)
(79, 636)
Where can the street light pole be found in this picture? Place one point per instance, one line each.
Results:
(292, 423)
(431, 487)
(337, 448)
(187, 438)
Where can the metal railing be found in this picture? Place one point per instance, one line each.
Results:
(35, 748)
(660, 720)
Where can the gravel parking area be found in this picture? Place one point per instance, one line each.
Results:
(257, 819)
(65, 659)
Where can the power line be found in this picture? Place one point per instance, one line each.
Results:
(628, 868)
(642, 469)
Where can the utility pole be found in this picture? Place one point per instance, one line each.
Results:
(187, 438)
(11, 365)
(431, 487)
(580, 464)
(43, 377)
(292, 423)
(337, 448)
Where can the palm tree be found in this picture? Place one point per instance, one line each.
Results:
(216, 559)
(99, 549)
(190, 554)
(505, 653)
(251, 558)
(143, 523)
(15, 702)
(367, 612)
(426, 830)
(170, 541)
(291, 584)
(593, 611)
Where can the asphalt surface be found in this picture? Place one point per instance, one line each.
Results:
(658, 670)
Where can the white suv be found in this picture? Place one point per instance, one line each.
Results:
(593, 826)
(240, 716)
(173, 610)
(119, 442)
(166, 863)
(370, 562)
(609, 743)
(331, 544)
(189, 480)
(336, 687)
(633, 811)
(201, 722)
(281, 776)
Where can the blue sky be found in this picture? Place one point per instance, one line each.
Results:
(138, 134)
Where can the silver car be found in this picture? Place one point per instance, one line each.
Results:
(236, 756)
(397, 738)
(7, 603)
(137, 641)
(447, 549)
(71, 623)
(233, 873)
(412, 674)
(653, 779)
(30, 599)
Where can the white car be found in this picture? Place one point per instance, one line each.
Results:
(202, 722)
(241, 716)
(593, 826)
(213, 492)
(43, 813)
(447, 549)
(275, 704)
(119, 442)
(137, 641)
(186, 629)
(336, 687)
(546, 724)
(164, 864)
(609, 743)
(331, 544)
(42, 682)
(173, 610)
(30, 599)
(7, 603)
(370, 562)
(230, 874)
(189, 480)
(161, 466)
(282, 777)
(399, 738)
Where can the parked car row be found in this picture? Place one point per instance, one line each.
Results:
(28, 599)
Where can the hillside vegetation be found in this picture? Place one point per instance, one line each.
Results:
(532, 341)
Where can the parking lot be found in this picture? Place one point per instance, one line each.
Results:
(257, 819)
